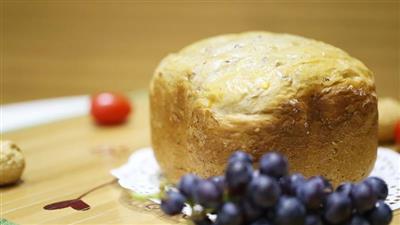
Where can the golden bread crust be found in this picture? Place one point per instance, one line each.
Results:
(322, 116)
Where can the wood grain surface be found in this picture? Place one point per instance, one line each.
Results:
(66, 159)
(55, 48)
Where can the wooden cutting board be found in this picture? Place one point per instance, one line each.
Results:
(69, 158)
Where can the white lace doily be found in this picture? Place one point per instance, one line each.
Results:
(142, 175)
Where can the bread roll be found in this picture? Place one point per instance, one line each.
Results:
(261, 91)
(12, 162)
(389, 114)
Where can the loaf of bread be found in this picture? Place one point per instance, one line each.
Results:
(261, 91)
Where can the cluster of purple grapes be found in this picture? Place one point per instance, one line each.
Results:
(269, 196)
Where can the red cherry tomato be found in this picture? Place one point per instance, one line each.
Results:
(397, 133)
(110, 108)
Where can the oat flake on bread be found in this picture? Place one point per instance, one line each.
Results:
(261, 91)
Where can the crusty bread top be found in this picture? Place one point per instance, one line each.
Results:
(252, 73)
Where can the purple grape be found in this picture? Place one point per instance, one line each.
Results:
(173, 203)
(378, 186)
(290, 183)
(237, 176)
(187, 184)
(337, 208)
(229, 214)
(328, 188)
(264, 191)
(250, 211)
(219, 181)
(207, 194)
(345, 188)
(381, 214)
(311, 193)
(240, 156)
(358, 220)
(313, 219)
(363, 197)
(289, 211)
(274, 165)
(262, 221)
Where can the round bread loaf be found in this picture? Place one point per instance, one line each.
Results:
(260, 91)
